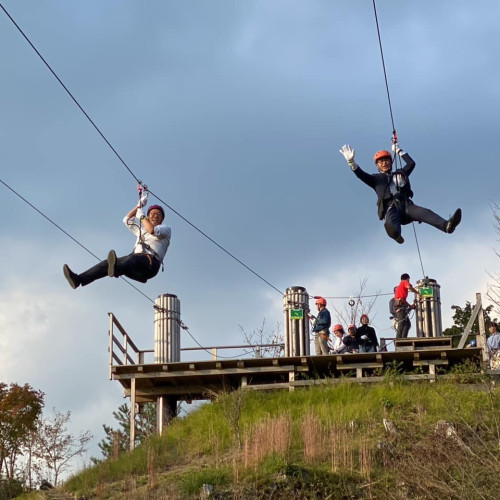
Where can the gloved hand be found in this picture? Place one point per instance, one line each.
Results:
(348, 153)
(364, 337)
(397, 149)
(143, 201)
(139, 214)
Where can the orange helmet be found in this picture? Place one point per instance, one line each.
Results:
(382, 154)
(321, 300)
(338, 328)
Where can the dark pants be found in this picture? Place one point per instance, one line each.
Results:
(402, 212)
(404, 323)
(136, 266)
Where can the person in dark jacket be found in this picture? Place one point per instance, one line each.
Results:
(321, 327)
(366, 336)
(394, 194)
(350, 340)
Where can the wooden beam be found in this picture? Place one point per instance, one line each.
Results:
(132, 414)
(204, 373)
(477, 308)
(355, 366)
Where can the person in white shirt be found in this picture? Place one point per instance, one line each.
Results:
(153, 240)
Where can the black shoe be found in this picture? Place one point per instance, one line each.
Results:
(111, 263)
(72, 278)
(454, 221)
(400, 239)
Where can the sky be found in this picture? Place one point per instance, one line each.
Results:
(233, 113)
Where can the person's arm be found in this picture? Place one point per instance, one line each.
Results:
(348, 153)
(132, 213)
(409, 162)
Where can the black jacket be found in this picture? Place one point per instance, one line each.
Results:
(370, 333)
(381, 184)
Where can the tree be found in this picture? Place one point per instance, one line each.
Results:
(493, 292)
(20, 408)
(55, 446)
(117, 441)
(260, 336)
(351, 313)
(462, 316)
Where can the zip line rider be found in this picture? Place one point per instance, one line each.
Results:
(153, 240)
(321, 327)
(394, 193)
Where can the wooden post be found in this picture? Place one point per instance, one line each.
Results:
(478, 310)
(132, 414)
(166, 410)
(110, 347)
(485, 358)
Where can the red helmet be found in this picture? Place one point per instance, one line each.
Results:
(382, 154)
(338, 328)
(321, 300)
(351, 327)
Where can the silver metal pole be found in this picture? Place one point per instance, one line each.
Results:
(167, 329)
(295, 309)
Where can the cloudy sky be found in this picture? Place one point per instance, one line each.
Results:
(232, 112)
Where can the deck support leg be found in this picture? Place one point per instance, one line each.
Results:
(132, 414)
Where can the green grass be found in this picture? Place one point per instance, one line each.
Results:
(213, 444)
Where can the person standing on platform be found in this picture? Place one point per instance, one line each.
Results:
(367, 338)
(321, 327)
(493, 344)
(402, 306)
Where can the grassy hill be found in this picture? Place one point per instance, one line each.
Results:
(393, 440)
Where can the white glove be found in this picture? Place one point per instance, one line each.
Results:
(139, 214)
(143, 201)
(364, 337)
(348, 153)
(397, 149)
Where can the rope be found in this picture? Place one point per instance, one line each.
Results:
(394, 135)
(123, 161)
(215, 243)
(383, 66)
(418, 250)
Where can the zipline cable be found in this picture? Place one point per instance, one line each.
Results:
(123, 161)
(215, 243)
(383, 66)
(69, 93)
(392, 116)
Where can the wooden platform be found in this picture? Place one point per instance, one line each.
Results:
(187, 381)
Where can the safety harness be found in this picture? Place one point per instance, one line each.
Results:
(150, 253)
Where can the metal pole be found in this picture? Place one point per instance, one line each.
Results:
(167, 329)
(428, 312)
(295, 310)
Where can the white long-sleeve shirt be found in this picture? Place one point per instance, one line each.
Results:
(158, 242)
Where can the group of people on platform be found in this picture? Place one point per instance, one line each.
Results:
(362, 338)
(357, 339)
